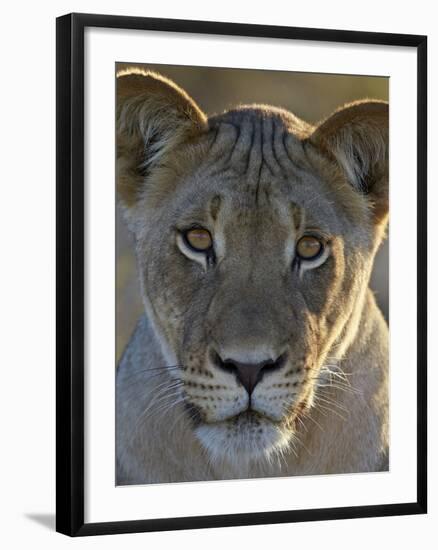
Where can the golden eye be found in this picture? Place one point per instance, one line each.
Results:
(199, 239)
(309, 247)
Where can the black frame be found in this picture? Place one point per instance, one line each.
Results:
(70, 273)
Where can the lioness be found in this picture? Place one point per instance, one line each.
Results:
(262, 351)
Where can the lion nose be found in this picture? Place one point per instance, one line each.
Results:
(249, 374)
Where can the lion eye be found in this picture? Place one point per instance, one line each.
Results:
(309, 247)
(198, 239)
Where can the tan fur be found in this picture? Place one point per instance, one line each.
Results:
(258, 178)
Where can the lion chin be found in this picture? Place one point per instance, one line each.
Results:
(244, 439)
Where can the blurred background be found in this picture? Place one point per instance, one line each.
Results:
(312, 97)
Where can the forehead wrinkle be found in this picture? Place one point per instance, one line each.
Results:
(248, 149)
(225, 135)
(254, 150)
(291, 157)
(240, 154)
(255, 157)
(268, 147)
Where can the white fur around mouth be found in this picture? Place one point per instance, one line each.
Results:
(245, 438)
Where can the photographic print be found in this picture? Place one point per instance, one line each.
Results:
(251, 274)
(232, 347)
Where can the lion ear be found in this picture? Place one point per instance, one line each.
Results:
(154, 117)
(356, 136)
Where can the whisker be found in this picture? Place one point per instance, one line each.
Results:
(318, 408)
(309, 416)
(330, 382)
(350, 391)
(173, 391)
(334, 411)
(331, 402)
(157, 398)
(336, 370)
(302, 444)
(170, 391)
(151, 377)
(160, 370)
(168, 384)
(182, 415)
(165, 407)
(292, 448)
(298, 419)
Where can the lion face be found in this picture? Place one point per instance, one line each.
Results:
(253, 249)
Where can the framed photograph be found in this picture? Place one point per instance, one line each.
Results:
(241, 274)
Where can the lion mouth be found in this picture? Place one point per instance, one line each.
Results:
(246, 436)
(249, 418)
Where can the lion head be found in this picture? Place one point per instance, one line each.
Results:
(255, 236)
